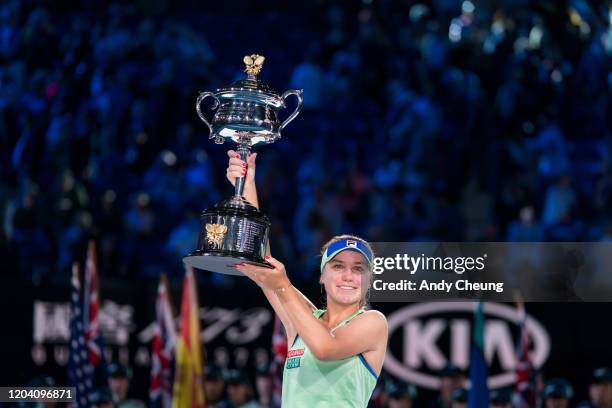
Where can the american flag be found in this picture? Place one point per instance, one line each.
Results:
(164, 343)
(79, 369)
(92, 328)
(279, 355)
(524, 390)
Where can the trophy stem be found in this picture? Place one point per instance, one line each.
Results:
(243, 150)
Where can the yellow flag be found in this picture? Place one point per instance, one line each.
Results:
(188, 389)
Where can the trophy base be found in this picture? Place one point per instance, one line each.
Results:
(219, 262)
(231, 232)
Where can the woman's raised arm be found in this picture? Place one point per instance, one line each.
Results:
(238, 168)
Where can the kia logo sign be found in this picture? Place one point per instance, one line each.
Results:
(422, 325)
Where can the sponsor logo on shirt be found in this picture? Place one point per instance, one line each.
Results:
(295, 353)
(293, 358)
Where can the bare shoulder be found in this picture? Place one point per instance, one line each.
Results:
(373, 319)
(375, 314)
(367, 333)
(374, 325)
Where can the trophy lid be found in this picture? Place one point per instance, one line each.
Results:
(251, 87)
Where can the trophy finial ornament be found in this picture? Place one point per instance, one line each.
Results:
(254, 63)
(247, 110)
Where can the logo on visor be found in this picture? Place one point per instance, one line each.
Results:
(351, 243)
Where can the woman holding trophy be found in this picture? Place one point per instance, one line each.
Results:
(337, 353)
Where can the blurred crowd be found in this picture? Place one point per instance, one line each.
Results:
(236, 389)
(443, 120)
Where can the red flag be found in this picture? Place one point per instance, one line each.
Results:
(92, 326)
(164, 343)
(279, 355)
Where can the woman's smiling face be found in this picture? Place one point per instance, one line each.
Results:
(346, 277)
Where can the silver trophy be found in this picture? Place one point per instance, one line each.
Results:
(246, 114)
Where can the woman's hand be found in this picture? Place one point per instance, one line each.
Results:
(239, 168)
(268, 278)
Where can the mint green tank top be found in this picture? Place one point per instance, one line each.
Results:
(312, 383)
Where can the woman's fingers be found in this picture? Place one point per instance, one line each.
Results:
(234, 158)
(240, 168)
(235, 171)
(253, 278)
(274, 262)
(251, 159)
(247, 271)
(236, 167)
(256, 270)
(259, 273)
(252, 272)
(234, 154)
(233, 174)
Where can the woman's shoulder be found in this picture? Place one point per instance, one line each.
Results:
(374, 315)
(373, 325)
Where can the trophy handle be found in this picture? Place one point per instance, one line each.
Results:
(298, 94)
(204, 95)
(243, 150)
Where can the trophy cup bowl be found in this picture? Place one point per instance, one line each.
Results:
(233, 230)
